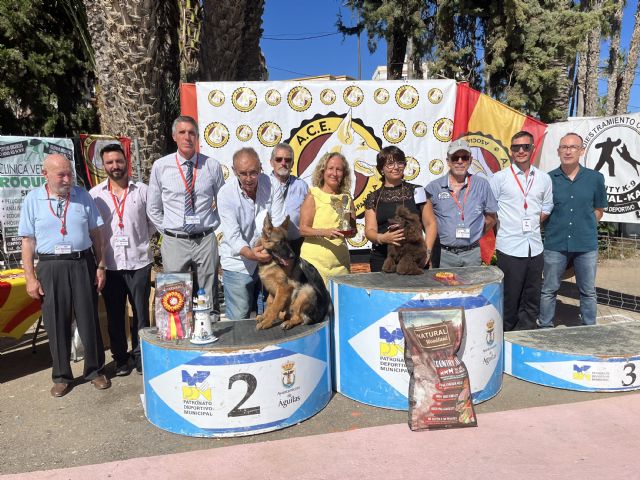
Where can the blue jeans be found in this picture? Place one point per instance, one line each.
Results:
(584, 265)
(240, 293)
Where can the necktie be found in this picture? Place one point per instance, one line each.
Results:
(189, 198)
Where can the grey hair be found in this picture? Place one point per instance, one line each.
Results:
(281, 146)
(184, 119)
(246, 151)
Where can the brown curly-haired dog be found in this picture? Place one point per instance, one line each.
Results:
(408, 257)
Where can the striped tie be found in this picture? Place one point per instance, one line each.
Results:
(189, 198)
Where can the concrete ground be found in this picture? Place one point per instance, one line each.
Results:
(90, 427)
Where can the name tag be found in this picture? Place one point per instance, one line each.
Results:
(527, 225)
(192, 219)
(62, 248)
(463, 232)
(121, 240)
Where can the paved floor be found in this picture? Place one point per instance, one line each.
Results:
(588, 440)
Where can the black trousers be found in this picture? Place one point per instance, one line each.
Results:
(136, 286)
(522, 285)
(68, 286)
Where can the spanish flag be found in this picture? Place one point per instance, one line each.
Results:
(19, 311)
(488, 125)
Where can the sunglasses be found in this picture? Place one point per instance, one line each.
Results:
(464, 158)
(283, 159)
(524, 147)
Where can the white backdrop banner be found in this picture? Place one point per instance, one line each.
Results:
(613, 148)
(354, 118)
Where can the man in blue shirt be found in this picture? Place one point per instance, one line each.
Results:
(571, 232)
(464, 207)
(244, 204)
(61, 223)
(525, 200)
(294, 190)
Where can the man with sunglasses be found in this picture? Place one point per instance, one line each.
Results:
(464, 206)
(243, 206)
(571, 232)
(294, 191)
(525, 200)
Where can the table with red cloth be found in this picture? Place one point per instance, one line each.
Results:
(18, 311)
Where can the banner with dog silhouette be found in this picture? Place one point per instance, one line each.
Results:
(612, 147)
(356, 119)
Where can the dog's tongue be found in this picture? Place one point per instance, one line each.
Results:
(284, 261)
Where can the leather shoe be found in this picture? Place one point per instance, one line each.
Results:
(101, 382)
(60, 389)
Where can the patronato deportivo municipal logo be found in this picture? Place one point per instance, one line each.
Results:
(611, 149)
(343, 134)
(196, 385)
(580, 372)
(391, 342)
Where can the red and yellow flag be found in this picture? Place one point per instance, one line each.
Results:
(488, 125)
(18, 310)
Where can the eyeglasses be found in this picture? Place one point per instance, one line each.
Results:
(248, 174)
(395, 163)
(570, 148)
(455, 158)
(525, 147)
(283, 159)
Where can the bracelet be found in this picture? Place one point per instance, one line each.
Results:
(101, 267)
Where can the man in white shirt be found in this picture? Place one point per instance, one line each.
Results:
(525, 200)
(243, 206)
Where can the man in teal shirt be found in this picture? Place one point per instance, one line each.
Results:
(571, 232)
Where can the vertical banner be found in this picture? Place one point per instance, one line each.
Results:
(612, 147)
(488, 125)
(20, 172)
(356, 119)
(90, 148)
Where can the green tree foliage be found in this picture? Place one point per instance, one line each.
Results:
(44, 83)
(518, 51)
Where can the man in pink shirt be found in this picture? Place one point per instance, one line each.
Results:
(123, 204)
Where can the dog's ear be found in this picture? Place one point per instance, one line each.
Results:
(267, 226)
(285, 225)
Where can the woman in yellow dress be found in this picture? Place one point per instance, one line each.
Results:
(327, 217)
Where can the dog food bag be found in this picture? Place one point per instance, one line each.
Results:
(439, 390)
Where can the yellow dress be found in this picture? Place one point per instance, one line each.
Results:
(329, 256)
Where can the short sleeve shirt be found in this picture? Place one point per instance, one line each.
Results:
(572, 226)
(479, 202)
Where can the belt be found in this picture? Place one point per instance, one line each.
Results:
(64, 256)
(460, 249)
(189, 236)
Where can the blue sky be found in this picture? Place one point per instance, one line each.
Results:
(329, 53)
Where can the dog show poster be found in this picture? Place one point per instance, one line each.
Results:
(356, 119)
(612, 147)
(20, 172)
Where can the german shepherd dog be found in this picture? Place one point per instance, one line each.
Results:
(296, 290)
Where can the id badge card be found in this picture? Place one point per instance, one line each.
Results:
(192, 219)
(527, 225)
(62, 248)
(121, 240)
(463, 232)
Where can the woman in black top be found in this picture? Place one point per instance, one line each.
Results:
(380, 206)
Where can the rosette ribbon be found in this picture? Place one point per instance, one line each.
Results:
(172, 302)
